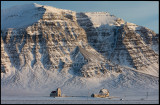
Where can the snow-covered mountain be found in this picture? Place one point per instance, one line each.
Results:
(46, 47)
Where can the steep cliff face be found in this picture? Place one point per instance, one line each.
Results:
(5, 62)
(50, 42)
(120, 42)
(45, 39)
(139, 48)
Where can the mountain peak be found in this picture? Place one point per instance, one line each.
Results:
(24, 15)
(37, 5)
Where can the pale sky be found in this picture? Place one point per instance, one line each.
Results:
(143, 13)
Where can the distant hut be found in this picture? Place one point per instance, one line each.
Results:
(102, 93)
(56, 93)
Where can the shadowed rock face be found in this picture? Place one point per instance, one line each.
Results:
(67, 41)
(125, 44)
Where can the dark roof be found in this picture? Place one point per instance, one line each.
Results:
(53, 92)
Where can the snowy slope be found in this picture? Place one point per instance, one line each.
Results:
(21, 16)
(77, 86)
(101, 18)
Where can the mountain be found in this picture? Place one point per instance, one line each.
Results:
(46, 47)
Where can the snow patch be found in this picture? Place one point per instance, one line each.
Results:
(20, 16)
(101, 18)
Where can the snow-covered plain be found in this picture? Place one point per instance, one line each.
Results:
(128, 98)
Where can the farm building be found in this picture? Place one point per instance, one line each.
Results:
(56, 93)
(102, 93)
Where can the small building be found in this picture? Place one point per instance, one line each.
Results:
(102, 93)
(56, 93)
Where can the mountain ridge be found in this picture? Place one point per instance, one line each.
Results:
(72, 47)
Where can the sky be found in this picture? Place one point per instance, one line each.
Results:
(143, 13)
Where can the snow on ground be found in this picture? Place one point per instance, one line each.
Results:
(129, 96)
(80, 102)
(132, 98)
(79, 90)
